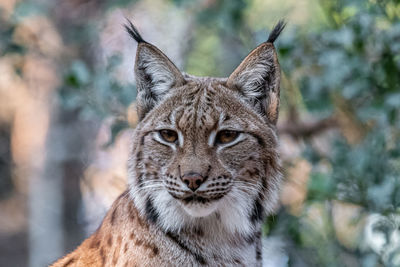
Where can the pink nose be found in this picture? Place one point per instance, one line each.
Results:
(193, 180)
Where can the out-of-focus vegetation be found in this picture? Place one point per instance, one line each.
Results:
(340, 113)
(349, 69)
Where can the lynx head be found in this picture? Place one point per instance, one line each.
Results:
(205, 149)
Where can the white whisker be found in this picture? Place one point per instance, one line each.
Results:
(153, 187)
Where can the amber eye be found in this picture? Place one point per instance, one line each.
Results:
(226, 136)
(169, 136)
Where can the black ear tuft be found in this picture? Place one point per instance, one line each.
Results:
(276, 31)
(133, 32)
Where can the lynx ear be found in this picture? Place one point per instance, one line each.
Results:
(258, 77)
(155, 73)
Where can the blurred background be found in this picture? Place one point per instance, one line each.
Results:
(67, 111)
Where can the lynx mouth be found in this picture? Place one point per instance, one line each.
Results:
(196, 198)
(199, 199)
(198, 206)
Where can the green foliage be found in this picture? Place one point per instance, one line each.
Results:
(320, 187)
(7, 44)
(97, 93)
(356, 59)
(368, 174)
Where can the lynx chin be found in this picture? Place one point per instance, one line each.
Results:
(204, 169)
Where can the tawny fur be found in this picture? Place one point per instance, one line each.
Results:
(159, 221)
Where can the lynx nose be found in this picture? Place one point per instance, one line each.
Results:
(193, 180)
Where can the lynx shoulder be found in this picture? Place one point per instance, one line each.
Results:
(204, 170)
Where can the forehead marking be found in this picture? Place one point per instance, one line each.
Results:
(198, 114)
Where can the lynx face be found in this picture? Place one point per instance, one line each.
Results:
(205, 151)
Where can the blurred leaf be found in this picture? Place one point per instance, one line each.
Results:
(80, 72)
(28, 8)
(320, 187)
(116, 128)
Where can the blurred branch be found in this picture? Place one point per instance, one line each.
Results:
(299, 129)
(293, 125)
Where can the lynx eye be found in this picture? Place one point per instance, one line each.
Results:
(226, 136)
(168, 136)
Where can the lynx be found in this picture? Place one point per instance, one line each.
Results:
(204, 170)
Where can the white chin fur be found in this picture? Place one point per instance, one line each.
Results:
(175, 215)
(199, 210)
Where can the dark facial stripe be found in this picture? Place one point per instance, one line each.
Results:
(258, 247)
(199, 258)
(151, 212)
(140, 180)
(257, 213)
(142, 140)
(258, 253)
(250, 238)
(259, 139)
(198, 231)
(139, 155)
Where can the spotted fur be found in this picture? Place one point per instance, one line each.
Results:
(159, 221)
